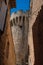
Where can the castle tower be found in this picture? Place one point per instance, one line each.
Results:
(19, 27)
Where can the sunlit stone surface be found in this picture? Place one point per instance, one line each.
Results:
(19, 28)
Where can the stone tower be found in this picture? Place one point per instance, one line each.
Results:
(19, 27)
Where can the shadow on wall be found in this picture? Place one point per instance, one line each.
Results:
(38, 38)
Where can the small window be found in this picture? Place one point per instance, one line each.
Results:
(11, 23)
(16, 19)
(23, 18)
(26, 18)
(20, 18)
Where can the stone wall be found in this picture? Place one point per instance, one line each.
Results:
(35, 8)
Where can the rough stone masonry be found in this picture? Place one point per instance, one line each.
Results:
(19, 28)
